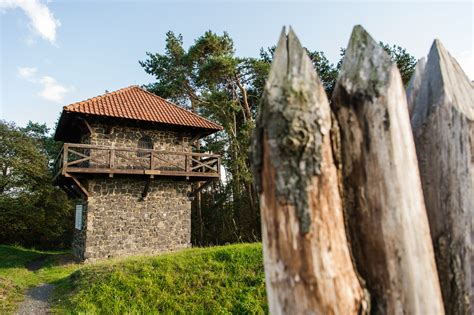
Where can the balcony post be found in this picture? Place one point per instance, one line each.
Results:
(65, 158)
(112, 158)
(151, 160)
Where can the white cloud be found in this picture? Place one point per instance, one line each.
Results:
(27, 73)
(52, 90)
(41, 18)
(466, 61)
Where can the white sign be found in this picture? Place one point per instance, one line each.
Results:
(78, 217)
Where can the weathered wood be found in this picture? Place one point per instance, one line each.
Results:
(86, 123)
(308, 267)
(80, 186)
(383, 199)
(110, 160)
(65, 158)
(146, 188)
(94, 170)
(443, 126)
(99, 147)
(414, 84)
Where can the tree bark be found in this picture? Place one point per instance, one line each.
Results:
(245, 106)
(308, 266)
(198, 200)
(443, 126)
(383, 199)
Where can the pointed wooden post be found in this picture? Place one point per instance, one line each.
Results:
(443, 126)
(414, 84)
(383, 199)
(308, 266)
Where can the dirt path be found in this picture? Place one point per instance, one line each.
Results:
(37, 300)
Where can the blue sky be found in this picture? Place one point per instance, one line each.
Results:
(57, 52)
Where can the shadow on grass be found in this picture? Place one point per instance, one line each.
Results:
(18, 257)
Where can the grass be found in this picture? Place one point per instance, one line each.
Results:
(215, 280)
(15, 278)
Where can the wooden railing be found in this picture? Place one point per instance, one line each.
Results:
(86, 158)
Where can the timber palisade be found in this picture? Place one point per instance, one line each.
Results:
(129, 161)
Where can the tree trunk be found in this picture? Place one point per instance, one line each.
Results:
(383, 199)
(443, 126)
(195, 186)
(308, 265)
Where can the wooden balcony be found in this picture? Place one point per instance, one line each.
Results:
(82, 159)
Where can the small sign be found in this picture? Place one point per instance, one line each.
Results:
(79, 217)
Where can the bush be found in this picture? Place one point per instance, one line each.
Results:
(32, 211)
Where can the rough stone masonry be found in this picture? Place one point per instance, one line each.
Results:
(116, 220)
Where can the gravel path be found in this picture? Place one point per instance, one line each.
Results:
(36, 300)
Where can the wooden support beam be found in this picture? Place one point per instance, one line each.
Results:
(195, 138)
(80, 186)
(308, 267)
(70, 192)
(86, 124)
(200, 187)
(383, 199)
(146, 188)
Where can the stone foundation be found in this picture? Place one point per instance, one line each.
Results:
(118, 222)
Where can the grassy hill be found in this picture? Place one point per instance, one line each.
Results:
(224, 279)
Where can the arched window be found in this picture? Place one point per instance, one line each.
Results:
(145, 143)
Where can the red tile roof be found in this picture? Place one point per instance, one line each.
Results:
(135, 103)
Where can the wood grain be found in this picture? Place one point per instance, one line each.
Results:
(443, 127)
(383, 199)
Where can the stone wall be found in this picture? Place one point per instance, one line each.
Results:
(127, 136)
(118, 222)
(116, 219)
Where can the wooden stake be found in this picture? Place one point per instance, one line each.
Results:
(308, 266)
(383, 199)
(414, 84)
(443, 126)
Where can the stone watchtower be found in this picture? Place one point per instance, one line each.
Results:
(128, 160)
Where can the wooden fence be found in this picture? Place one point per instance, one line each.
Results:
(364, 209)
(85, 158)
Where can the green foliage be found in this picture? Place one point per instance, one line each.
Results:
(327, 72)
(218, 280)
(40, 133)
(22, 166)
(32, 211)
(405, 62)
(15, 278)
(213, 82)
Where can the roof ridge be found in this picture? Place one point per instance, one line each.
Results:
(100, 96)
(180, 107)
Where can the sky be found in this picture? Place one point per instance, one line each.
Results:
(53, 53)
